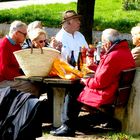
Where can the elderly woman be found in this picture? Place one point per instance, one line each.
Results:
(38, 37)
(135, 31)
(33, 25)
(38, 24)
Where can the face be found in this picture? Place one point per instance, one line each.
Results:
(74, 24)
(40, 41)
(105, 44)
(135, 39)
(20, 35)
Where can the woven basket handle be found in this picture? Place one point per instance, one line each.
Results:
(32, 49)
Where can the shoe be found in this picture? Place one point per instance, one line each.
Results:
(63, 131)
(54, 131)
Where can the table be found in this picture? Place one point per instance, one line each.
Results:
(59, 87)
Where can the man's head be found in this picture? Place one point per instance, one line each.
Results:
(71, 21)
(18, 31)
(109, 36)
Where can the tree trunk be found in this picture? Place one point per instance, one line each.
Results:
(86, 9)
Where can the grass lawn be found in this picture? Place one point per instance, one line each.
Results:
(108, 13)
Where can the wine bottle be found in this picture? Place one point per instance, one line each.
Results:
(80, 60)
(72, 59)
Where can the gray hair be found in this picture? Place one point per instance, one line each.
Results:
(35, 33)
(111, 35)
(135, 30)
(16, 25)
(33, 25)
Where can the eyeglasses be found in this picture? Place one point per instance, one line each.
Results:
(25, 34)
(42, 41)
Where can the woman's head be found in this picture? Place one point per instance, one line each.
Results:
(135, 32)
(38, 37)
(33, 25)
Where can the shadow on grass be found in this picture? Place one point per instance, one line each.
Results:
(98, 124)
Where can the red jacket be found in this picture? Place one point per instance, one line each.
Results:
(100, 89)
(9, 67)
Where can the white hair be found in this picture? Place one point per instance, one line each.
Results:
(33, 25)
(111, 35)
(135, 30)
(16, 25)
(35, 33)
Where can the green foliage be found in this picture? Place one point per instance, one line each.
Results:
(50, 14)
(108, 14)
(131, 4)
(122, 136)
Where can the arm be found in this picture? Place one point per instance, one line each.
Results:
(107, 72)
(9, 65)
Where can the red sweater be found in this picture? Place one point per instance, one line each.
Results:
(9, 67)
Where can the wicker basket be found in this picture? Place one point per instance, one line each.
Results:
(36, 63)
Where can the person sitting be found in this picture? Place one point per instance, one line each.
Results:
(101, 88)
(38, 38)
(33, 25)
(135, 32)
(9, 67)
(38, 24)
(70, 36)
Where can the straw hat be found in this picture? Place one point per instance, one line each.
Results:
(68, 15)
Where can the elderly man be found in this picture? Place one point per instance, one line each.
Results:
(101, 88)
(70, 36)
(9, 67)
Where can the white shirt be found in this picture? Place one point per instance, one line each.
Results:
(71, 42)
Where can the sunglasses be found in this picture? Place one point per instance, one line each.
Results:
(25, 34)
(42, 41)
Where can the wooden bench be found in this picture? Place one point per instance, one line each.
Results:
(123, 92)
(124, 89)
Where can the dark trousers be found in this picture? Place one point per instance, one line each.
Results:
(71, 106)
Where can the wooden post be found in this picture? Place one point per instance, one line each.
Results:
(130, 115)
(58, 99)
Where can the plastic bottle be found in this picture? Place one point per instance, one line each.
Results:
(98, 51)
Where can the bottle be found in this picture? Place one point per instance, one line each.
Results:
(98, 51)
(95, 54)
(83, 52)
(72, 59)
(90, 56)
(80, 60)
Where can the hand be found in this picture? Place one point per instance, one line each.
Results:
(56, 44)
